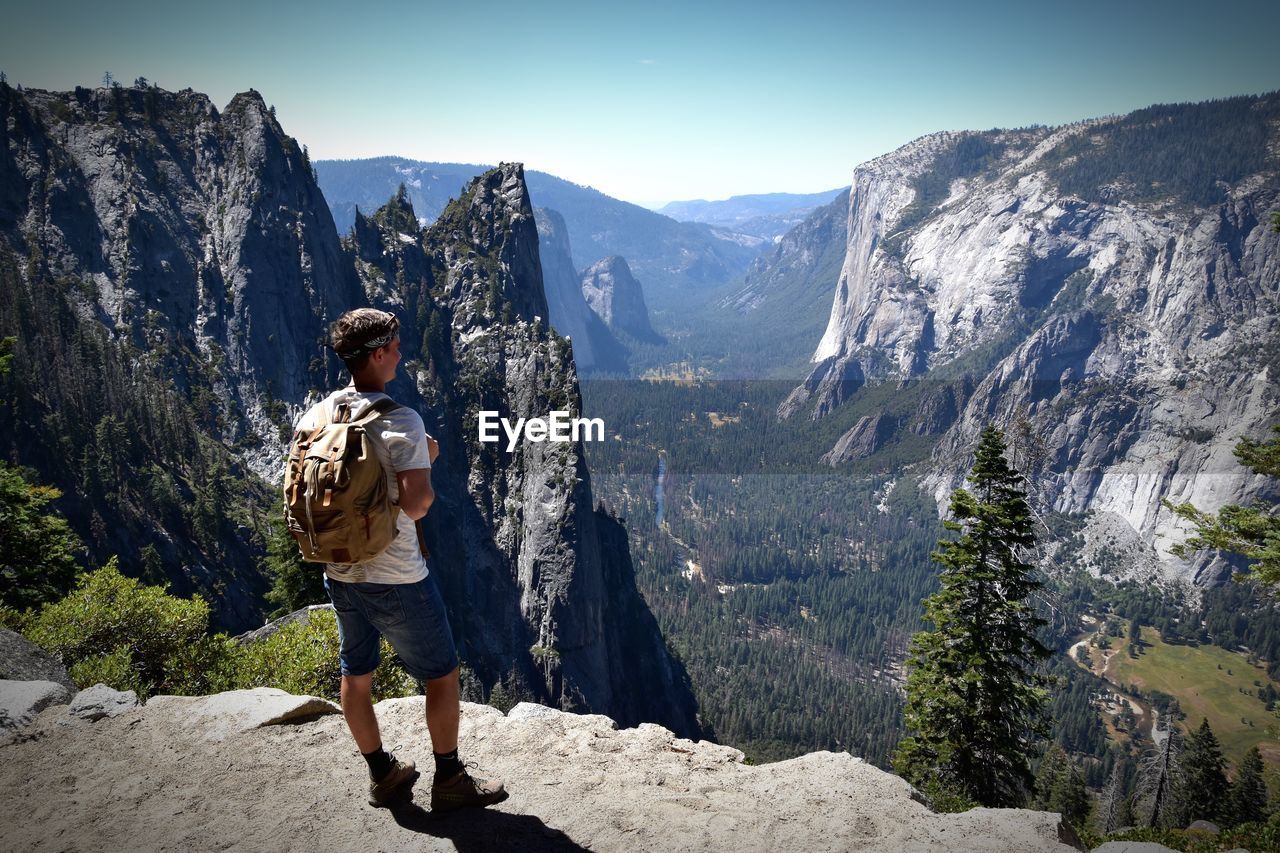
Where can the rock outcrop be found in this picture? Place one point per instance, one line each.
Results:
(204, 772)
(595, 349)
(617, 298)
(23, 660)
(1126, 317)
(867, 436)
(21, 701)
(100, 702)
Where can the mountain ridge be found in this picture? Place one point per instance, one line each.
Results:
(767, 215)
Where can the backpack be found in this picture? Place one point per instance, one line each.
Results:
(337, 506)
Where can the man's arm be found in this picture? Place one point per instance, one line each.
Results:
(416, 494)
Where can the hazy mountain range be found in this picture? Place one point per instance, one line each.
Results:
(769, 215)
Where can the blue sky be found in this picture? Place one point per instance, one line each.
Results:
(661, 102)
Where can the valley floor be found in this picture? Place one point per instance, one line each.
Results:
(1209, 683)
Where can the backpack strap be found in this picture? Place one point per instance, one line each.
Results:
(342, 413)
(377, 409)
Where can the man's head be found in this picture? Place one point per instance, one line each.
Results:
(364, 335)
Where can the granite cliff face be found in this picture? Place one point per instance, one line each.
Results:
(1120, 311)
(595, 349)
(617, 298)
(168, 273)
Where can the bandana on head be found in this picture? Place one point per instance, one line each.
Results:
(367, 346)
(378, 343)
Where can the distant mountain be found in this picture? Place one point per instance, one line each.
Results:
(672, 258)
(595, 349)
(785, 296)
(1106, 291)
(769, 215)
(616, 297)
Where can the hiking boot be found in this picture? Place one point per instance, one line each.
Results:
(465, 791)
(402, 772)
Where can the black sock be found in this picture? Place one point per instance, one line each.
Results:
(379, 762)
(447, 764)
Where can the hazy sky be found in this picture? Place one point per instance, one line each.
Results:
(659, 101)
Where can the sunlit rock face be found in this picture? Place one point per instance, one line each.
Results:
(595, 349)
(189, 248)
(617, 298)
(1123, 325)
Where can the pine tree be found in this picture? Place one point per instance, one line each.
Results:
(974, 701)
(1060, 787)
(294, 583)
(1203, 784)
(1052, 766)
(1135, 635)
(1069, 796)
(37, 547)
(1249, 791)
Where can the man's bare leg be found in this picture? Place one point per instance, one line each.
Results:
(357, 708)
(443, 709)
(453, 788)
(388, 773)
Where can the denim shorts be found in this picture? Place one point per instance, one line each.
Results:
(410, 615)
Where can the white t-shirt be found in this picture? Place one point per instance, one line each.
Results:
(400, 440)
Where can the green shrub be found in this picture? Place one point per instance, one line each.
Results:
(113, 629)
(116, 630)
(115, 669)
(302, 658)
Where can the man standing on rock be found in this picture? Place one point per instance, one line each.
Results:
(392, 595)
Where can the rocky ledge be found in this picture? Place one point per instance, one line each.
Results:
(260, 769)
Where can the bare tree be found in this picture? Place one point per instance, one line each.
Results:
(107, 79)
(1111, 805)
(1157, 775)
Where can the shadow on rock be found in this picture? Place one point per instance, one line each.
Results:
(482, 829)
